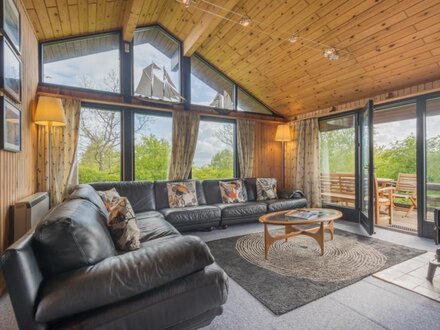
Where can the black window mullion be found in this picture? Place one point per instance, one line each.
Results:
(127, 144)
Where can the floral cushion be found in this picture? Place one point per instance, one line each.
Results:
(182, 194)
(121, 222)
(232, 191)
(266, 189)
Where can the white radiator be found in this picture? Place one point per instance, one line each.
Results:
(28, 212)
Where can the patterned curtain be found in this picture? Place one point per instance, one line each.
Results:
(185, 132)
(245, 144)
(63, 165)
(306, 163)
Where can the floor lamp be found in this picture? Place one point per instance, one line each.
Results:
(283, 135)
(50, 113)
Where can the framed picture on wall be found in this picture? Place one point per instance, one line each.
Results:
(10, 71)
(10, 126)
(10, 19)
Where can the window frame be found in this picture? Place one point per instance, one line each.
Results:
(271, 114)
(151, 113)
(74, 38)
(236, 167)
(107, 107)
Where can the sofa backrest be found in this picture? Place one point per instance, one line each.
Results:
(72, 235)
(161, 193)
(139, 193)
(212, 192)
(251, 189)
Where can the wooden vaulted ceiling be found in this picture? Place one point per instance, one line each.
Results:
(386, 44)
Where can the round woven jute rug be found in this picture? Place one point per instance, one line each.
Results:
(344, 258)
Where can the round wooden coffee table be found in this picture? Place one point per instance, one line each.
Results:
(323, 220)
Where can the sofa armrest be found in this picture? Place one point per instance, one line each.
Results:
(289, 194)
(120, 277)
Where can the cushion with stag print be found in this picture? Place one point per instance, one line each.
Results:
(266, 189)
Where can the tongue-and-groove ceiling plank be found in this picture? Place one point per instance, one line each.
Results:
(390, 43)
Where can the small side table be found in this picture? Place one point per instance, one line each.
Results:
(433, 264)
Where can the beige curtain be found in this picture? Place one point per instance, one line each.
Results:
(185, 132)
(64, 142)
(305, 164)
(246, 146)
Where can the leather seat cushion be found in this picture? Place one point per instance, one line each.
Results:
(191, 215)
(73, 235)
(167, 307)
(153, 225)
(242, 209)
(121, 277)
(274, 205)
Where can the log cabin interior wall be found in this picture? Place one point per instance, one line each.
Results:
(267, 158)
(18, 170)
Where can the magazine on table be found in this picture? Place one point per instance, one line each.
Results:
(305, 214)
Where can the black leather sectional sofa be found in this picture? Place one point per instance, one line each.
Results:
(150, 199)
(67, 274)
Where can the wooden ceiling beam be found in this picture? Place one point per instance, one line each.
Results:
(204, 28)
(131, 17)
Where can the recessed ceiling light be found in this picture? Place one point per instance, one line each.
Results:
(331, 54)
(245, 21)
(293, 38)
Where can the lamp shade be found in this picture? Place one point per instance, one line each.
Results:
(50, 112)
(283, 133)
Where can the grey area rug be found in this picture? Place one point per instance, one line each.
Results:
(295, 272)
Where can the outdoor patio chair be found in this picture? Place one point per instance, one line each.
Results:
(406, 188)
(383, 197)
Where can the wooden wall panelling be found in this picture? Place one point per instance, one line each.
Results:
(18, 170)
(267, 159)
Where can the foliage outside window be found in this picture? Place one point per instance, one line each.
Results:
(152, 146)
(432, 156)
(156, 65)
(99, 146)
(209, 87)
(247, 103)
(214, 156)
(337, 156)
(87, 62)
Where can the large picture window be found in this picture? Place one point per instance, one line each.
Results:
(156, 65)
(209, 87)
(86, 62)
(152, 146)
(214, 157)
(99, 146)
(248, 103)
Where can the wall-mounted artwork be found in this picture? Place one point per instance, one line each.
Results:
(10, 126)
(10, 71)
(11, 23)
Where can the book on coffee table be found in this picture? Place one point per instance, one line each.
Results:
(305, 214)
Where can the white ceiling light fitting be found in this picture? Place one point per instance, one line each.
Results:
(331, 54)
(293, 38)
(245, 21)
(186, 3)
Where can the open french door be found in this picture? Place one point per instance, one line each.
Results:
(366, 168)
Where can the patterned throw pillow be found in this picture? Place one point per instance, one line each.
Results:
(232, 191)
(266, 189)
(121, 221)
(182, 194)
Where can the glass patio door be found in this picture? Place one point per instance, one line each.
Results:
(366, 168)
